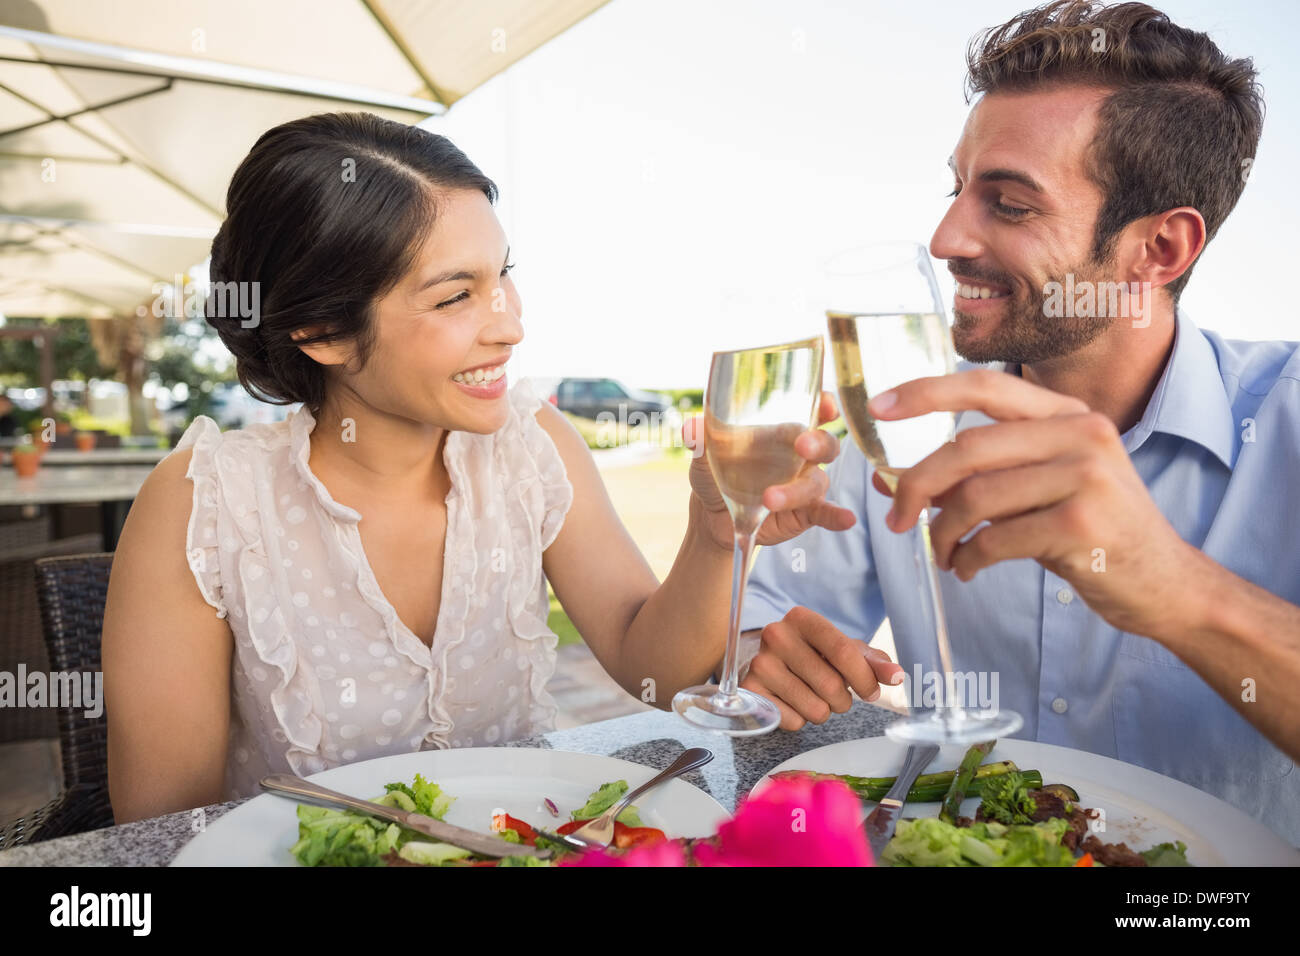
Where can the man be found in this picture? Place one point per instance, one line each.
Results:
(1130, 481)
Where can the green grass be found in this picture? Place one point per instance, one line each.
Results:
(559, 622)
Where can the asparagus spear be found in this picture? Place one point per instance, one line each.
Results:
(929, 787)
(951, 808)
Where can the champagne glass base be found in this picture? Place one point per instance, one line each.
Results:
(961, 727)
(743, 714)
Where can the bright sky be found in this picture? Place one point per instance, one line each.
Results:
(673, 172)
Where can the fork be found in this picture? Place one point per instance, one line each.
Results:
(598, 833)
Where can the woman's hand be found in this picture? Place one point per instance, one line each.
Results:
(796, 506)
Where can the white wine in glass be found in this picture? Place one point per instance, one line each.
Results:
(886, 326)
(758, 402)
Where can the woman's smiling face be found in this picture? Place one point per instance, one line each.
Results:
(443, 335)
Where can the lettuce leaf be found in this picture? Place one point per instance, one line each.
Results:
(1166, 854)
(930, 841)
(605, 797)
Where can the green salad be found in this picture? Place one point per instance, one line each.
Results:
(328, 837)
(1020, 820)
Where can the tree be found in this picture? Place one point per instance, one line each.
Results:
(74, 355)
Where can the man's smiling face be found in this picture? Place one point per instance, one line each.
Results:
(1023, 216)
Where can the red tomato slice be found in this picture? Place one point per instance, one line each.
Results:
(1085, 860)
(624, 836)
(503, 821)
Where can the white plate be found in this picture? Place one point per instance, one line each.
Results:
(1142, 808)
(482, 779)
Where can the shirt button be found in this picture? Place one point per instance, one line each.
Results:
(1065, 595)
(1059, 705)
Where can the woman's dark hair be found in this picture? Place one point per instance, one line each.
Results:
(325, 214)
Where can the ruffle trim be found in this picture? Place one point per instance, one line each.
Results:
(202, 548)
(543, 485)
(301, 422)
(216, 467)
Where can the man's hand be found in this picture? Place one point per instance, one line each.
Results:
(1057, 485)
(806, 667)
(796, 506)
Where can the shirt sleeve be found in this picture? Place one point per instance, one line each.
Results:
(202, 547)
(830, 572)
(542, 458)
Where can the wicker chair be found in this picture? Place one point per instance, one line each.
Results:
(72, 592)
(22, 640)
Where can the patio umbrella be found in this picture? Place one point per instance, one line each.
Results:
(121, 123)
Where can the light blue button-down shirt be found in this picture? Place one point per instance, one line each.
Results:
(1219, 450)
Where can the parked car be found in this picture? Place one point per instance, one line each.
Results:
(589, 397)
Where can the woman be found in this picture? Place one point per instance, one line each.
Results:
(378, 561)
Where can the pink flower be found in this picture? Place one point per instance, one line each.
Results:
(793, 822)
(664, 853)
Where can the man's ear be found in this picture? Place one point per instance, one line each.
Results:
(1170, 242)
(323, 353)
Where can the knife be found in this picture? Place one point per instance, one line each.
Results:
(881, 821)
(307, 792)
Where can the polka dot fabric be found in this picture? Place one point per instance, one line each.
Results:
(324, 671)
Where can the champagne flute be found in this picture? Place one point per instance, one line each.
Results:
(758, 402)
(886, 325)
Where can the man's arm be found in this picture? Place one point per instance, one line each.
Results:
(1053, 482)
(1245, 643)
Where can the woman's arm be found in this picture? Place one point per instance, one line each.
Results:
(596, 569)
(655, 639)
(166, 658)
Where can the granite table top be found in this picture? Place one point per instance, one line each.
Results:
(652, 738)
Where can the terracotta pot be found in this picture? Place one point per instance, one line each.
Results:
(85, 441)
(26, 462)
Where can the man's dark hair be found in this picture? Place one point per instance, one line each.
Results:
(326, 214)
(1180, 128)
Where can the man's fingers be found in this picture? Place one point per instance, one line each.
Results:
(983, 448)
(886, 670)
(998, 494)
(769, 669)
(879, 484)
(999, 395)
(843, 654)
(808, 667)
(1025, 536)
(789, 719)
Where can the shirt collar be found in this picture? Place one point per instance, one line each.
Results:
(301, 423)
(1189, 401)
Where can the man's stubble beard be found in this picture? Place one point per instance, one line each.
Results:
(1024, 335)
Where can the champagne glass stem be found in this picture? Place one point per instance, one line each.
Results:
(739, 575)
(950, 708)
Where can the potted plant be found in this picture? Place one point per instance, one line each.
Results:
(27, 458)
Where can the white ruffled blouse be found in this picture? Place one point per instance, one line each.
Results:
(324, 671)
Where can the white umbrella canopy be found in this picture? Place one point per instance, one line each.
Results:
(121, 123)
